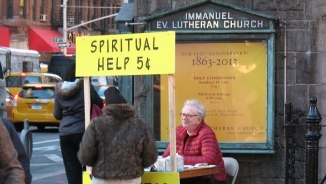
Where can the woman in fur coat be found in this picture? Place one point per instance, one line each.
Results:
(117, 145)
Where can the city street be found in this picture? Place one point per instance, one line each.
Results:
(46, 163)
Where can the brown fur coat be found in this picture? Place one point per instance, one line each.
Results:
(117, 145)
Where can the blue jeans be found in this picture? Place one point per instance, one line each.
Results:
(69, 147)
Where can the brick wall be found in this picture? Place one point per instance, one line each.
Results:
(305, 78)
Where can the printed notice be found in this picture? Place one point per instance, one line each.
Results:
(230, 79)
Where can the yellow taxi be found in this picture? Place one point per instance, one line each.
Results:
(15, 80)
(34, 102)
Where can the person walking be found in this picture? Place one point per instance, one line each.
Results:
(11, 169)
(117, 145)
(69, 107)
(22, 154)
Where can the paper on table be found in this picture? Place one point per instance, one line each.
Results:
(203, 166)
(198, 166)
(187, 167)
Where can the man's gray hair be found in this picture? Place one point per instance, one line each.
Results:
(199, 106)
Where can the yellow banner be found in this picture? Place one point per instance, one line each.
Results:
(87, 178)
(160, 178)
(147, 178)
(126, 54)
(230, 79)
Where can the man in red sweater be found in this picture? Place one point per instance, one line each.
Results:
(197, 143)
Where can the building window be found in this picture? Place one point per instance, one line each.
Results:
(22, 9)
(10, 13)
(34, 10)
(41, 7)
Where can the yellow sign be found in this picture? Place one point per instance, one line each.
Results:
(147, 178)
(160, 178)
(230, 79)
(126, 54)
(86, 178)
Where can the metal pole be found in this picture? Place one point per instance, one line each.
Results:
(289, 131)
(64, 25)
(65, 29)
(285, 54)
(27, 139)
(94, 20)
(313, 135)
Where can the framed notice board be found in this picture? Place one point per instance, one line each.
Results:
(225, 59)
(231, 80)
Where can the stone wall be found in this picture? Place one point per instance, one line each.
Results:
(305, 33)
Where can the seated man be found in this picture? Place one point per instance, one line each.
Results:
(197, 143)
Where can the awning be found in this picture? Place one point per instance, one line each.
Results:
(42, 40)
(4, 37)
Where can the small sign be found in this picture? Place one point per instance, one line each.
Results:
(87, 178)
(58, 39)
(126, 54)
(64, 44)
(160, 178)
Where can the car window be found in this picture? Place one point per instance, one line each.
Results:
(33, 79)
(18, 81)
(36, 92)
(54, 79)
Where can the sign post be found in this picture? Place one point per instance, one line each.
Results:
(64, 45)
(58, 39)
(129, 54)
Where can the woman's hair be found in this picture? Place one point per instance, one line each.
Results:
(70, 74)
(199, 106)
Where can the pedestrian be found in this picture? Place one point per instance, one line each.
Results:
(23, 158)
(69, 107)
(11, 169)
(117, 145)
(197, 143)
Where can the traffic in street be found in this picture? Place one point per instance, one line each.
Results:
(46, 162)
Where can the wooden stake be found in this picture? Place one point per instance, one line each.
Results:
(171, 82)
(87, 100)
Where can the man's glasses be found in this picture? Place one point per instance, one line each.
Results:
(187, 115)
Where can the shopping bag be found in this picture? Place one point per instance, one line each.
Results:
(96, 111)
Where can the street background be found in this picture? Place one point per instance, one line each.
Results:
(46, 162)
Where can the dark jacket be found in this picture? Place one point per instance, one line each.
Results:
(200, 147)
(12, 171)
(69, 106)
(22, 155)
(117, 145)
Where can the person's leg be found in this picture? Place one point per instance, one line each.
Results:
(64, 145)
(69, 148)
